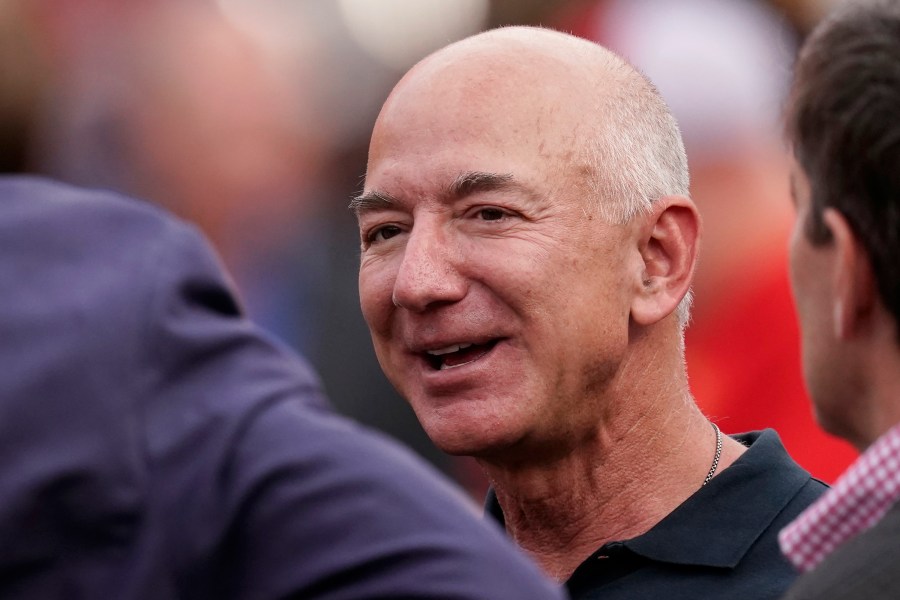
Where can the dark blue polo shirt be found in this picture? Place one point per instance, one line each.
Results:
(720, 543)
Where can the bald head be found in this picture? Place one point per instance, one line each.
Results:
(566, 100)
(514, 53)
(500, 265)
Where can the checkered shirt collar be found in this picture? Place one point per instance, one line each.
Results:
(858, 500)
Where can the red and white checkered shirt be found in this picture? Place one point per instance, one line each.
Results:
(858, 500)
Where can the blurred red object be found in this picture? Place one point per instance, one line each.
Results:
(722, 66)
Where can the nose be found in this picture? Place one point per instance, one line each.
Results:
(429, 271)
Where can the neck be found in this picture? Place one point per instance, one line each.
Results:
(870, 400)
(615, 485)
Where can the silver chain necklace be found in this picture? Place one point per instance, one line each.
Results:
(715, 463)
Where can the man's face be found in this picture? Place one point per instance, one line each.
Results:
(810, 271)
(498, 301)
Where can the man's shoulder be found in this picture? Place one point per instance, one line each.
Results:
(863, 567)
(722, 541)
(321, 501)
(767, 459)
(767, 475)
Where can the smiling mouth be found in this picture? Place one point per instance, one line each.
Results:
(457, 355)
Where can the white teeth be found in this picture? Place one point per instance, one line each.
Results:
(448, 349)
(444, 366)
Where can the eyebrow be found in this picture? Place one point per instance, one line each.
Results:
(472, 182)
(371, 201)
(467, 183)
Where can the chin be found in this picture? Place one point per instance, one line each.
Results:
(470, 424)
(469, 438)
(461, 443)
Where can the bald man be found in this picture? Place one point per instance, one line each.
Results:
(528, 245)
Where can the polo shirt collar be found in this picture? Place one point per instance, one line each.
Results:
(706, 529)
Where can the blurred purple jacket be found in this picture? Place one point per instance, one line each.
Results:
(155, 444)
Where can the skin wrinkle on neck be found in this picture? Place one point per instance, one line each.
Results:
(601, 504)
(564, 512)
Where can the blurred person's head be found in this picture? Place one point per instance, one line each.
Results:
(524, 246)
(214, 130)
(842, 121)
(174, 103)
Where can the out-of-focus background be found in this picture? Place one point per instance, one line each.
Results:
(251, 118)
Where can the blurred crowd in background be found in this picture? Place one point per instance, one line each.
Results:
(251, 118)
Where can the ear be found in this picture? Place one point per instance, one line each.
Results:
(854, 290)
(668, 244)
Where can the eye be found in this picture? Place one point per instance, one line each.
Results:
(380, 234)
(491, 214)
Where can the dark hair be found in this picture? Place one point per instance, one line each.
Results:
(843, 118)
